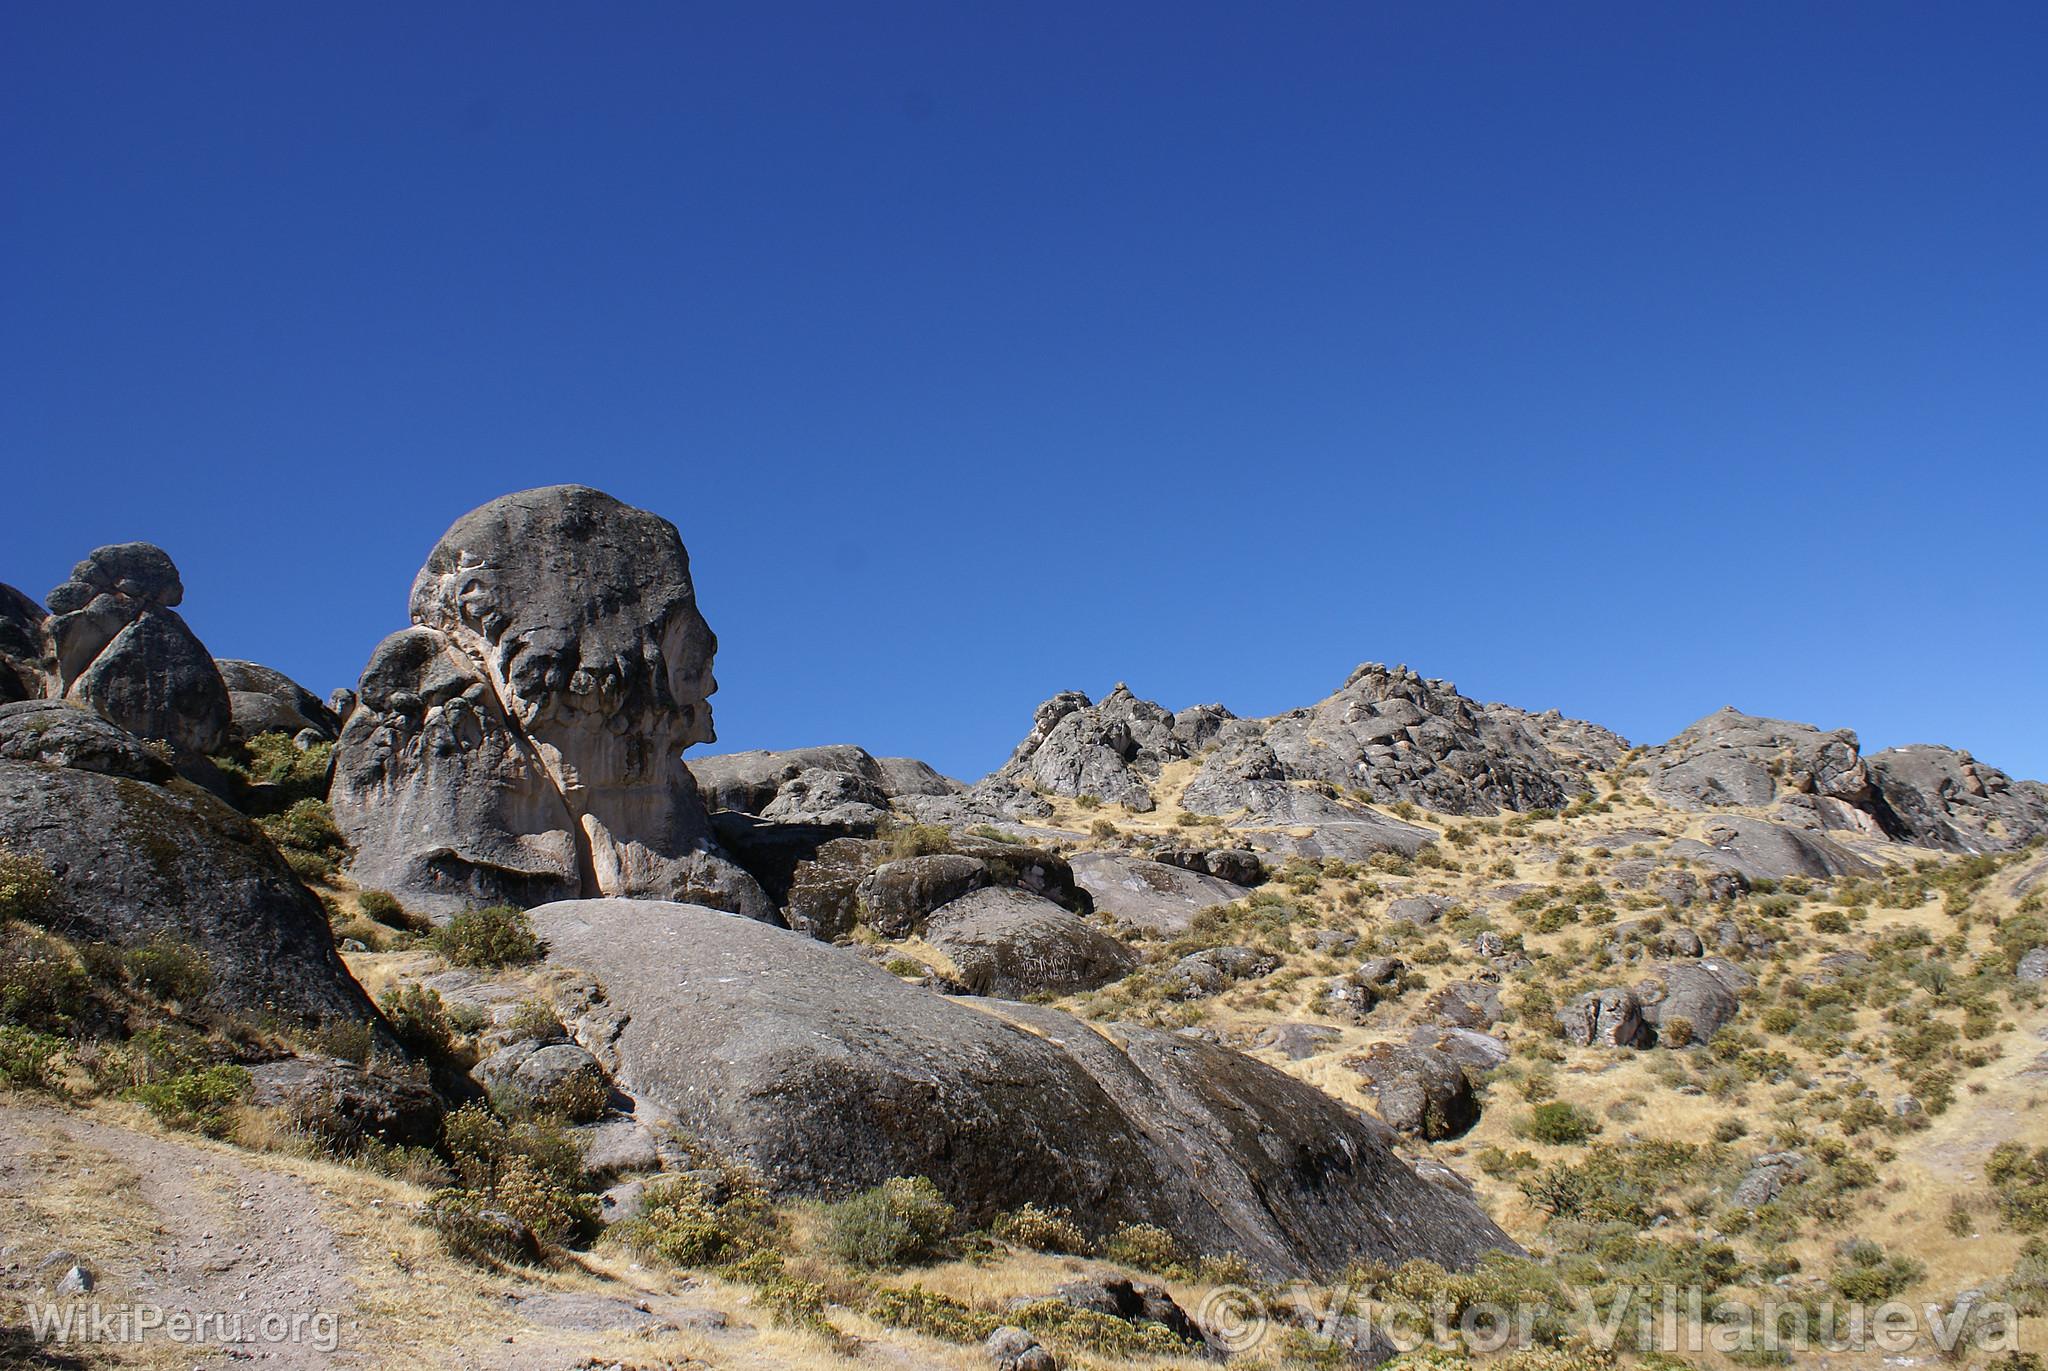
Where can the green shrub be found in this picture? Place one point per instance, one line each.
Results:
(531, 1168)
(914, 840)
(2019, 1183)
(28, 889)
(1145, 1248)
(308, 840)
(476, 1230)
(199, 1101)
(418, 1020)
(385, 909)
(934, 1315)
(1039, 1230)
(1561, 1123)
(897, 1223)
(1084, 1330)
(1867, 1275)
(43, 985)
(170, 971)
(499, 935)
(26, 1057)
(700, 1220)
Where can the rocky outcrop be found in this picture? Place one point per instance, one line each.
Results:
(114, 642)
(828, 1075)
(268, 701)
(754, 782)
(1418, 1090)
(1931, 796)
(522, 741)
(1757, 849)
(1151, 895)
(1605, 1018)
(142, 857)
(1112, 751)
(1939, 797)
(1012, 944)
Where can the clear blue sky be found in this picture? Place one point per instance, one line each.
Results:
(1631, 359)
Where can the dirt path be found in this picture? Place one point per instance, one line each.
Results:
(175, 1226)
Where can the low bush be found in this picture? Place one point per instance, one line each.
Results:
(496, 936)
(1867, 1275)
(28, 888)
(934, 1315)
(897, 1223)
(1145, 1248)
(700, 1220)
(1560, 1123)
(1039, 1230)
(200, 1101)
(171, 971)
(531, 1169)
(26, 1059)
(384, 908)
(43, 985)
(418, 1020)
(2019, 1184)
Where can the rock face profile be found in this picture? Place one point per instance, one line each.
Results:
(829, 1075)
(113, 641)
(265, 700)
(1930, 796)
(521, 741)
(141, 856)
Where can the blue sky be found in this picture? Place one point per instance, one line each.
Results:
(1629, 359)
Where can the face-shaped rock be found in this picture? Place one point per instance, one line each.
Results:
(524, 740)
(582, 610)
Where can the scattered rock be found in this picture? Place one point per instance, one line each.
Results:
(1013, 1349)
(1202, 974)
(1011, 944)
(1296, 1041)
(1605, 1018)
(1156, 896)
(1420, 1091)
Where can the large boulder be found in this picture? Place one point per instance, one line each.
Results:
(522, 741)
(1732, 758)
(1939, 797)
(1011, 944)
(1757, 849)
(1703, 995)
(753, 781)
(142, 857)
(27, 667)
(265, 700)
(1151, 895)
(1418, 1090)
(1612, 1017)
(118, 645)
(829, 1075)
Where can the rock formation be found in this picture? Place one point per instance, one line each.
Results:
(268, 701)
(1931, 796)
(829, 1075)
(521, 742)
(141, 856)
(114, 642)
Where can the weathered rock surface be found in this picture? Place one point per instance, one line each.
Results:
(1113, 750)
(1418, 1090)
(828, 1075)
(268, 701)
(753, 782)
(27, 666)
(1704, 994)
(1605, 1018)
(1214, 970)
(114, 642)
(343, 1104)
(1011, 944)
(1939, 797)
(1151, 895)
(1757, 849)
(142, 857)
(1932, 796)
(521, 742)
